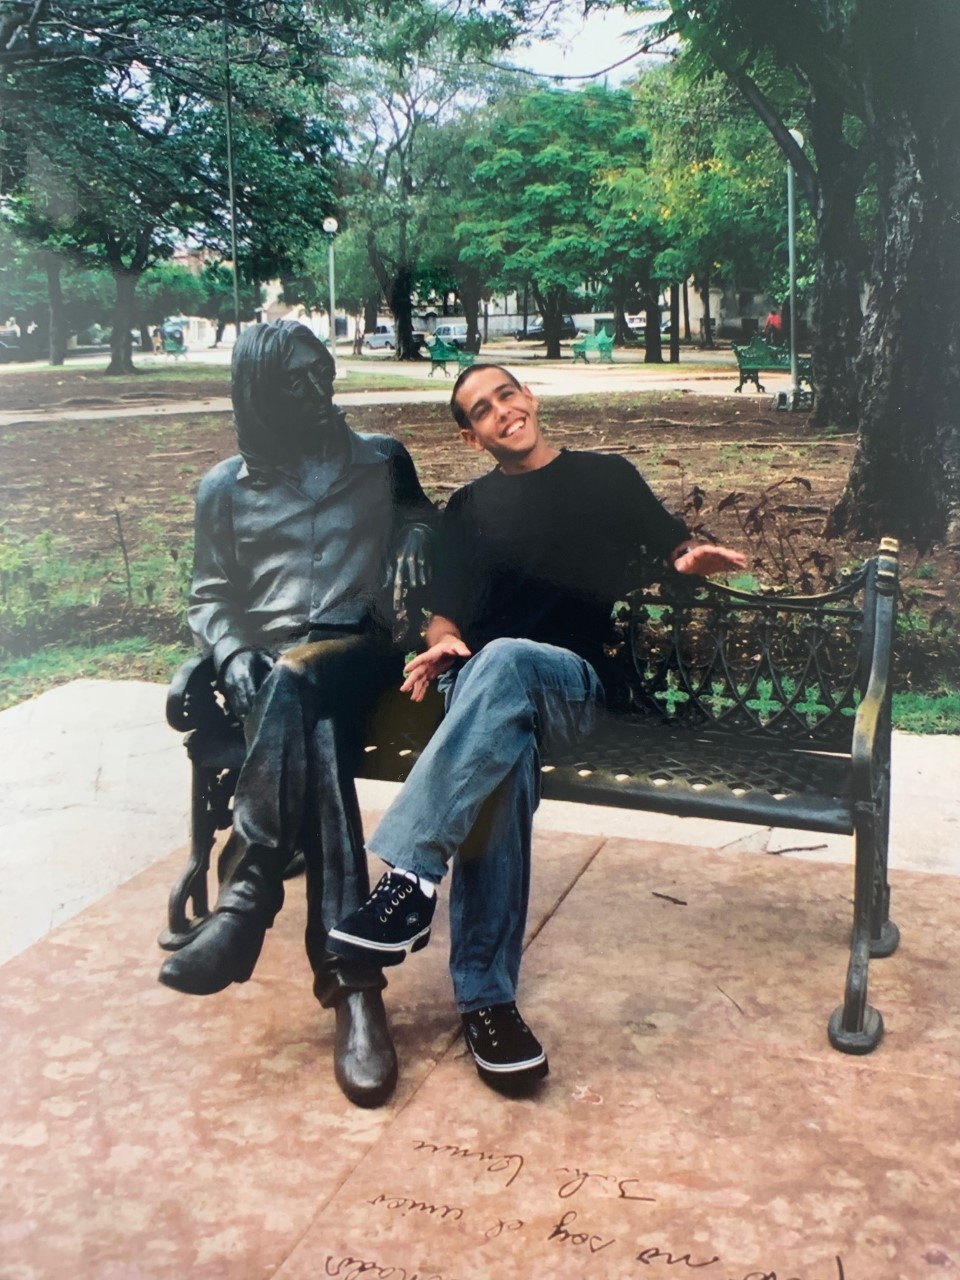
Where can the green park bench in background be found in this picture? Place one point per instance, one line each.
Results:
(756, 707)
(758, 356)
(174, 348)
(442, 354)
(602, 343)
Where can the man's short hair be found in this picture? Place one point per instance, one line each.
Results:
(459, 417)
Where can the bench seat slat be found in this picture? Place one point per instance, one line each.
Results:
(681, 774)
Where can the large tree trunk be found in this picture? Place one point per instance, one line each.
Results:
(841, 262)
(58, 319)
(905, 478)
(121, 355)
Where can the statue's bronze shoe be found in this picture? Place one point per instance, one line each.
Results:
(225, 950)
(364, 1059)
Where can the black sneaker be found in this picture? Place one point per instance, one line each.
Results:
(507, 1053)
(395, 919)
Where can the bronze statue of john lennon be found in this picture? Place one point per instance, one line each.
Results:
(300, 541)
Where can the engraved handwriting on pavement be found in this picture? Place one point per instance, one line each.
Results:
(581, 1233)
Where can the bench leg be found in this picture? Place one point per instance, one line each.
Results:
(192, 884)
(856, 1027)
(437, 365)
(884, 934)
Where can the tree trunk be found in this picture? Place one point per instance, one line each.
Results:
(840, 264)
(551, 308)
(370, 308)
(121, 356)
(401, 308)
(905, 478)
(470, 289)
(674, 324)
(704, 287)
(58, 319)
(622, 333)
(652, 342)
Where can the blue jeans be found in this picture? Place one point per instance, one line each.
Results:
(473, 793)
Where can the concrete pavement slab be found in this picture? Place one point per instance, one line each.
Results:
(94, 787)
(695, 1118)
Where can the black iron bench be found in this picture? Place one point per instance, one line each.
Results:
(762, 708)
(758, 356)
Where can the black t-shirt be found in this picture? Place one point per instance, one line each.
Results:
(545, 554)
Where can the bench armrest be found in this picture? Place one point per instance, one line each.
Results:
(871, 728)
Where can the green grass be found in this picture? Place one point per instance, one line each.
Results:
(148, 370)
(40, 578)
(927, 712)
(132, 659)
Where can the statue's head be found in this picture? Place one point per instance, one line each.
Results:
(282, 388)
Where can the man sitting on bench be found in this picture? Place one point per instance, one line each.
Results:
(531, 559)
(291, 595)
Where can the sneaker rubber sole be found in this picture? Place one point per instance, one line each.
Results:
(352, 948)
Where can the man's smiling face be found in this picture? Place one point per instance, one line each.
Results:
(503, 420)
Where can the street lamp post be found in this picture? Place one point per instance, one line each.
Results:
(330, 227)
(231, 187)
(795, 395)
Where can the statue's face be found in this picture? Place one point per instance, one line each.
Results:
(283, 392)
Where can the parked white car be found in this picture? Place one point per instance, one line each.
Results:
(383, 336)
(454, 335)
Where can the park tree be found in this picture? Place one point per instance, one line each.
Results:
(877, 80)
(715, 181)
(221, 294)
(168, 289)
(417, 73)
(531, 215)
(119, 156)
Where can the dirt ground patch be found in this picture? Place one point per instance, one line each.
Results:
(101, 511)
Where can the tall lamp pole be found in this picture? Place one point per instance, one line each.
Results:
(231, 185)
(795, 397)
(330, 227)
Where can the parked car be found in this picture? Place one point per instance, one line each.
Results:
(638, 324)
(535, 330)
(383, 337)
(453, 334)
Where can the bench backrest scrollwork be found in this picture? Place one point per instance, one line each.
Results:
(713, 659)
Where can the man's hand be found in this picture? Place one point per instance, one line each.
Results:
(412, 562)
(242, 677)
(704, 559)
(425, 667)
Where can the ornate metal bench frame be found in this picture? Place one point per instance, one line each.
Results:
(752, 707)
